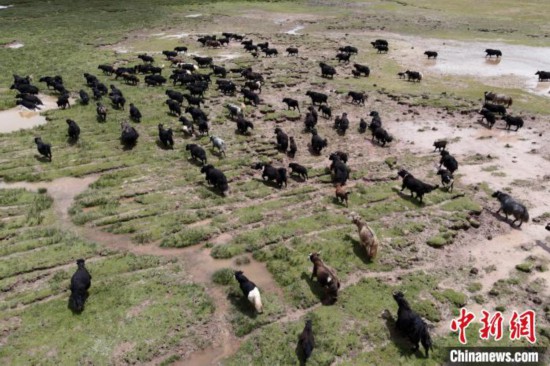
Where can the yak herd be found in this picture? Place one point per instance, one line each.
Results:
(196, 122)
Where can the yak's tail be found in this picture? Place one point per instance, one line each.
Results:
(524, 215)
(76, 302)
(426, 341)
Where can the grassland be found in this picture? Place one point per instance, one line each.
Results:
(155, 308)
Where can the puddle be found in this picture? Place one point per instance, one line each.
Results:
(211, 355)
(517, 65)
(295, 30)
(228, 56)
(121, 50)
(14, 45)
(21, 118)
(194, 15)
(180, 35)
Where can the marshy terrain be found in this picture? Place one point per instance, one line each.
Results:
(161, 244)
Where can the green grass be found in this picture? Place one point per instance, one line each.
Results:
(148, 299)
(163, 320)
(159, 196)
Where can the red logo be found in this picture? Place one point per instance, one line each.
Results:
(520, 325)
(492, 326)
(523, 325)
(462, 323)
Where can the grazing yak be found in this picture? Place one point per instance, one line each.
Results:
(495, 108)
(413, 75)
(362, 126)
(292, 148)
(128, 134)
(326, 111)
(252, 97)
(431, 54)
(216, 178)
(440, 145)
(63, 101)
(357, 97)
(84, 97)
(306, 341)
(234, 110)
(343, 56)
(447, 179)
(543, 75)
(415, 185)
(73, 130)
(101, 111)
(376, 121)
(166, 136)
(381, 136)
(272, 174)
(341, 194)
(338, 169)
(381, 48)
(513, 121)
(327, 71)
(379, 42)
(341, 124)
(243, 125)
(219, 144)
(361, 69)
(27, 104)
(310, 121)
(118, 101)
(291, 103)
(490, 53)
(317, 142)
(325, 277)
(498, 98)
(510, 206)
(135, 114)
(448, 161)
(197, 153)
(282, 139)
(80, 283)
(411, 324)
(488, 116)
(43, 148)
(349, 49)
(367, 237)
(250, 291)
(173, 107)
(296, 168)
(316, 97)
(292, 51)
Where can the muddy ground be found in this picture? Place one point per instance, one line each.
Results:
(479, 250)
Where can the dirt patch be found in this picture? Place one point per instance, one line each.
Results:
(295, 30)
(136, 310)
(122, 349)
